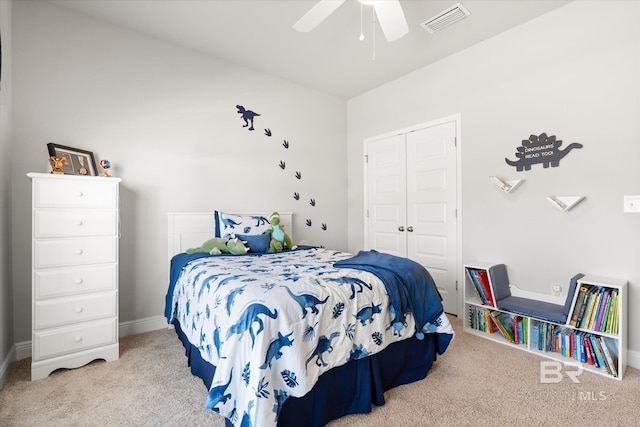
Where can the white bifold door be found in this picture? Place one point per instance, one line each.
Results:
(412, 201)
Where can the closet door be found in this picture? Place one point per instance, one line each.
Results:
(431, 206)
(386, 195)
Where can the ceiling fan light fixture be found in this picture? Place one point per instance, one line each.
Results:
(389, 14)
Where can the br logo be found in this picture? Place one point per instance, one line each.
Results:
(551, 372)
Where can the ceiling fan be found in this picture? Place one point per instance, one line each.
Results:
(389, 13)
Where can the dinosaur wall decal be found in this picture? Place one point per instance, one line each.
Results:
(540, 149)
(247, 116)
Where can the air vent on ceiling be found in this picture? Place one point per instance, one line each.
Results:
(445, 18)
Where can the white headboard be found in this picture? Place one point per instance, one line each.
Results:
(191, 229)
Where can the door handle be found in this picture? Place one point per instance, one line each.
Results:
(410, 229)
(401, 228)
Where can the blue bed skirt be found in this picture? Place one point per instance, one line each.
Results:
(347, 389)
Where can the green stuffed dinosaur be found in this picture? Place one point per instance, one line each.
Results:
(218, 246)
(279, 238)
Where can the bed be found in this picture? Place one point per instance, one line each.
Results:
(299, 337)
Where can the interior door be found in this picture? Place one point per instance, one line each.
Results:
(432, 206)
(386, 194)
(412, 202)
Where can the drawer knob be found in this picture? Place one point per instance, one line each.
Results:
(79, 194)
(79, 280)
(78, 251)
(79, 223)
(79, 309)
(78, 338)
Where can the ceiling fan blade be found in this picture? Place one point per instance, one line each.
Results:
(316, 15)
(391, 19)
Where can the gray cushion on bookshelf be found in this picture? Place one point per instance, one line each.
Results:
(533, 308)
(500, 281)
(525, 306)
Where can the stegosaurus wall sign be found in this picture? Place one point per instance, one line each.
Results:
(248, 117)
(540, 149)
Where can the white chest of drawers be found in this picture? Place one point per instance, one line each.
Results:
(75, 237)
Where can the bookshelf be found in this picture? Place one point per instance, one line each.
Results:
(594, 335)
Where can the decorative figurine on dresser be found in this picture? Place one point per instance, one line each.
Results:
(75, 232)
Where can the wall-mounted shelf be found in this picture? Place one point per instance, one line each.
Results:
(506, 186)
(564, 203)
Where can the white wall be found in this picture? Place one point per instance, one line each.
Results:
(166, 119)
(6, 312)
(573, 73)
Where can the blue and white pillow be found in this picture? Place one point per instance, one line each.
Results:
(230, 225)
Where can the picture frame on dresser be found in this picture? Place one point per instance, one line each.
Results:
(77, 161)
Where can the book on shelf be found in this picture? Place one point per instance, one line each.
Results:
(614, 326)
(608, 357)
(579, 353)
(597, 356)
(517, 329)
(584, 322)
(597, 324)
(480, 320)
(483, 277)
(480, 280)
(596, 305)
(581, 303)
(535, 334)
(504, 322)
(606, 312)
(587, 349)
(476, 284)
(597, 347)
(613, 313)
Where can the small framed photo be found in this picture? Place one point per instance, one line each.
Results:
(77, 161)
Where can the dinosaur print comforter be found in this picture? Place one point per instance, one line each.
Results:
(273, 323)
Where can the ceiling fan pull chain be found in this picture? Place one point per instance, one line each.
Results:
(373, 32)
(361, 32)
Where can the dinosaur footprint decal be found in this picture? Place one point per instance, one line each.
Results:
(248, 117)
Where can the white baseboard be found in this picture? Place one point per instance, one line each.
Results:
(5, 366)
(140, 326)
(633, 360)
(22, 350)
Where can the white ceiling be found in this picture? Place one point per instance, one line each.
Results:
(258, 34)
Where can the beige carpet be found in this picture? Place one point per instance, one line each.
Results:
(476, 383)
